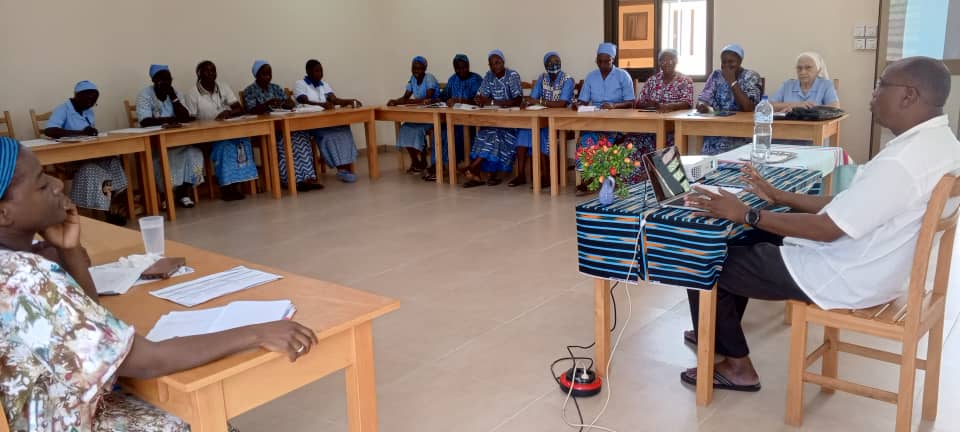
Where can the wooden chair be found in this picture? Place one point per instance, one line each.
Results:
(906, 320)
(563, 148)
(37, 119)
(131, 111)
(763, 86)
(7, 122)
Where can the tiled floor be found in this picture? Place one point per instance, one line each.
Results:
(490, 296)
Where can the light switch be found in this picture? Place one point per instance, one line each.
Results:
(870, 31)
(859, 30)
(859, 44)
(871, 43)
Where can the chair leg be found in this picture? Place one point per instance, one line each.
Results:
(195, 192)
(908, 377)
(931, 376)
(396, 132)
(318, 165)
(798, 348)
(787, 315)
(831, 358)
(210, 174)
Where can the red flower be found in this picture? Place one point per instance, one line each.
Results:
(613, 171)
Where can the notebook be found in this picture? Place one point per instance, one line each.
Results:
(213, 320)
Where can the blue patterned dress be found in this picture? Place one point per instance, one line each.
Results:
(560, 89)
(303, 169)
(496, 146)
(413, 135)
(232, 158)
(718, 94)
(459, 89)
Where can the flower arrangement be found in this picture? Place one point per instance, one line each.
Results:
(604, 159)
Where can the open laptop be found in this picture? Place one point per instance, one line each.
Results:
(668, 178)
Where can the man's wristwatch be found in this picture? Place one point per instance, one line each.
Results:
(752, 217)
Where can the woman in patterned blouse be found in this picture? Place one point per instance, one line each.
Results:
(495, 147)
(730, 88)
(668, 90)
(61, 352)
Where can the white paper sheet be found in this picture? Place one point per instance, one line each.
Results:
(234, 315)
(209, 287)
(136, 130)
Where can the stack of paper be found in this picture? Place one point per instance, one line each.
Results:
(204, 289)
(37, 142)
(536, 108)
(234, 315)
(137, 130)
(309, 108)
(466, 107)
(243, 117)
(587, 108)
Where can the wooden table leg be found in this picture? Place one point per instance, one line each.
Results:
(437, 148)
(288, 151)
(679, 139)
(274, 162)
(210, 410)
(818, 135)
(467, 137)
(167, 181)
(706, 345)
(601, 323)
(128, 161)
(835, 139)
(149, 179)
(452, 149)
(535, 153)
(661, 140)
(562, 146)
(361, 385)
(373, 164)
(396, 139)
(552, 140)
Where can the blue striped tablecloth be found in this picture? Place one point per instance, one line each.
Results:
(677, 248)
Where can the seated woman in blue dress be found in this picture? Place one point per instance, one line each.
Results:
(813, 86)
(232, 159)
(730, 88)
(607, 87)
(462, 88)
(263, 96)
(422, 88)
(336, 142)
(160, 104)
(553, 89)
(97, 182)
(495, 147)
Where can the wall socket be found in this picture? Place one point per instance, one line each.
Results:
(865, 37)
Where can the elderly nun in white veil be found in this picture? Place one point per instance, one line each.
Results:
(812, 87)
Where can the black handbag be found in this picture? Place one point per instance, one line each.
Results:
(816, 113)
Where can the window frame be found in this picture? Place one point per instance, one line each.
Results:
(611, 30)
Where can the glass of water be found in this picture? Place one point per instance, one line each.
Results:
(151, 228)
(758, 158)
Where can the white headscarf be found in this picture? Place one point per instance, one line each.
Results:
(818, 62)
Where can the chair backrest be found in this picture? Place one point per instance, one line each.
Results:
(37, 119)
(7, 123)
(443, 85)
(527, 85)
(934, 222)
(763, 86)
(243, 101)
(576, 89)
(131, 111)
(836, 86)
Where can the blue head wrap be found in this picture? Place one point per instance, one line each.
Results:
(497, 53)
(461, 57)
(9, 150)
(548, 55)
(608, 49)
(156, 68)
(734, 48)
(420, 59)
(257, 65)
(84, 86)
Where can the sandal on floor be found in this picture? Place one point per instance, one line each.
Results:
(430, 177)
(186, 202)
(720, 382)
(493, 181)
(517, 181)
(690, 337)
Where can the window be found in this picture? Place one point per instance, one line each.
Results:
(641, 28)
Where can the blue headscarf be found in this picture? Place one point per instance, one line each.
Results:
(156, 68)
(461, 57)
(734, 48)
(548, 55)
(84, 86)
(420, 59)
(608, 49)
(9, 151)
(497, 53)
(257, 65)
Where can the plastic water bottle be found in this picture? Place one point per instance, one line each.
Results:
(762, 133)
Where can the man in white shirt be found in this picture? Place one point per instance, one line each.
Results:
(853, 250)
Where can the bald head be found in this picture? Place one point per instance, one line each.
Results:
(929, 76)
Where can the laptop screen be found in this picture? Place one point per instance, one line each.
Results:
(666, 173)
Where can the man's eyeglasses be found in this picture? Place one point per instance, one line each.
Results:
(881, 83)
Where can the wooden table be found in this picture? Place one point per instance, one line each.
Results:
(206, 131)
(121, 145)
(337, 117)
(621, 120)
(207, 396)
(412, 114)
(741, 125)
(522, 119)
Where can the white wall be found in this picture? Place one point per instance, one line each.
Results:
(366, 45)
